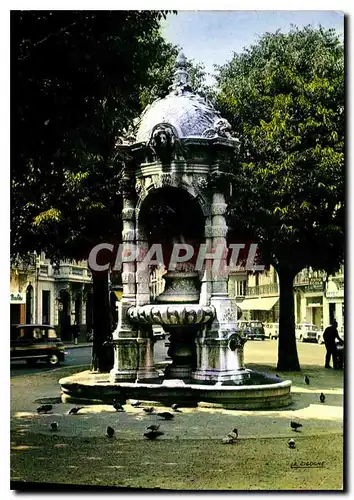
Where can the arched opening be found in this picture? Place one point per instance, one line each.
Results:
(64, 315)
(29, 304)
(78, 315)
(170, 215)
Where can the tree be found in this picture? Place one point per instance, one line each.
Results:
(78, 77)
(284, 97)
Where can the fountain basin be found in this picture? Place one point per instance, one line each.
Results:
(86, 387)
(171, 315)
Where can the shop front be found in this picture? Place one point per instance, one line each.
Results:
(17, 308)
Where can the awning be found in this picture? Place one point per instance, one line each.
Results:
(264, 304)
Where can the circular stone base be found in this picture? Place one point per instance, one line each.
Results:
(98, 389)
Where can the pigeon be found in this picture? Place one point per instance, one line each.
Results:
(44, 408)
(322, 397)
(295, 425)
(75, 410)
(307, 380)
(175, 408)
(153, 427)
(54, 426)
(233, 434)
(166, 415)
(227, 440)
(117, 406)
(136, 404)
(110, 432)
(150, 409)
(231, 437)
(153, 434)
(291, 443)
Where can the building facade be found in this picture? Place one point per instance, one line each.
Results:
(47, 294)
(317, 300)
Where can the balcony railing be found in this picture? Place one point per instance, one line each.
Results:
(43, 270)
(77, 271)
(272, 289)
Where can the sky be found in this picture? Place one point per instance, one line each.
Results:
(211, 37)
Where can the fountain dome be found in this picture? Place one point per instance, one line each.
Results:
(189, 114)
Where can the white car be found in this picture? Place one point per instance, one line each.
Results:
(308, 332)
(272, 330)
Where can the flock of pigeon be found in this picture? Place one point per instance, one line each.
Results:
(152, 431)
(295, 425)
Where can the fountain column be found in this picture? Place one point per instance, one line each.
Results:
(125, 335)
(219, 345)
(145, 338)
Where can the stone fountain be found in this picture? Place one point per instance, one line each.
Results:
(180, 152)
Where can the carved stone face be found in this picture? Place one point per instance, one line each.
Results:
(222, 126)
(162, 137)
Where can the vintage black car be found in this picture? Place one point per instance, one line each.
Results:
(253, 329)
(34, 343)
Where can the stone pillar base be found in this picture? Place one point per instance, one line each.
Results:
(221, 375)
(220, 359)
(125, 359)
(122, 376)
(178, 372)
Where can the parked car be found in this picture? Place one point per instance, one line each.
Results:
(253, 329)
(34, 343)
(308, 332)
(272, 330)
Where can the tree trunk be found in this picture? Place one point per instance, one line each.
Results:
(287, 351)
(102, 356)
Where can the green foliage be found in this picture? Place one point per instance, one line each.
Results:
(78, 78)
(284, 97)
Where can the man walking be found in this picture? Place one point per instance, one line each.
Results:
(329, 336)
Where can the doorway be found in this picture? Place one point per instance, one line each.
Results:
(64, 315)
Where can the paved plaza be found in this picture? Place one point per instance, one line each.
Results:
(190, 454)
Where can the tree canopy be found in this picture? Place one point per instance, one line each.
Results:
(78, 78)
(284, 97)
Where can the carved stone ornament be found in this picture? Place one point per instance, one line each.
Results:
(220, 128)
(236, 341)
(229, 315)
(139, 187)
(164, 143)
(169, 315)
(202, 183)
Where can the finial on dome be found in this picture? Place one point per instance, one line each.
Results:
(181, 60)
(180, 77)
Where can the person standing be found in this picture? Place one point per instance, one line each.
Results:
(76, 332)
(329, 336)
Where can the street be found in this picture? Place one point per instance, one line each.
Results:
(77, 356)
(42, 381)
